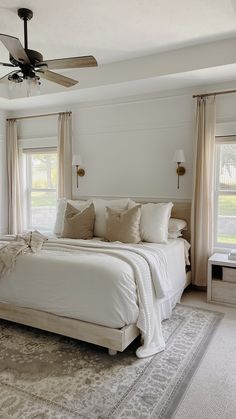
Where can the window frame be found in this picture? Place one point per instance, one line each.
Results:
(225, 139)
(27, 152)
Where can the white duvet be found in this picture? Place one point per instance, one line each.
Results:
(105, 283)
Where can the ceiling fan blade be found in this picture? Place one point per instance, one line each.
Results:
(7, 75)
(57, 78)
(72, 62)
(15, 48)
(7, 65)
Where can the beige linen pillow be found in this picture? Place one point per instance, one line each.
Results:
(100, 212)
(61, 210)
(79, 224)
(123, 226)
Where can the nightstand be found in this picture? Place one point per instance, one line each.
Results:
(221, 281)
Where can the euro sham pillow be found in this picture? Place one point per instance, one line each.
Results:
(100, 213)
(78, 224)
(154, 222)
(61, 209)
(123, 226)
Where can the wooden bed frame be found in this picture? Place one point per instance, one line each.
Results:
(113, 339)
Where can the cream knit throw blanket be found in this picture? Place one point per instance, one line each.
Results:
(10, 248)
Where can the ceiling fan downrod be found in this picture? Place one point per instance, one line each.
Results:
(25, 15)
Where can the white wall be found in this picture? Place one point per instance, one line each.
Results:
(3, 174)
(127, 145)
(226, 114)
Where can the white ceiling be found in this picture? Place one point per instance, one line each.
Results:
(121, 30)
(115, 30)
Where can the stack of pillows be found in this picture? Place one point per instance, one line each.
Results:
(117, 220)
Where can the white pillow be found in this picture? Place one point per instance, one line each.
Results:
(61, 209)
(100, 212)
(175, 228)
(154, 222)
(176, 225)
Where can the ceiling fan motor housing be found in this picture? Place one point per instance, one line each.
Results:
(34, 57)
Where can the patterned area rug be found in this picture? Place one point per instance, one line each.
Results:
(45, 376)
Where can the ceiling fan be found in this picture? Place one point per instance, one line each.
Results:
(30, 65)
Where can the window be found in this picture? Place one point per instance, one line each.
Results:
(41, 194)
(225, 192)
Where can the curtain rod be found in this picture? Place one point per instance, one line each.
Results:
(38, 116)
(223, 92)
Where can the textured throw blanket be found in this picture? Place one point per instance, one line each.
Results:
(12, 246)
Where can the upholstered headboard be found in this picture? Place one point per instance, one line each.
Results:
(182, 210)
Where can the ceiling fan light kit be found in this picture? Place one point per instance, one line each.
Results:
(30, 65)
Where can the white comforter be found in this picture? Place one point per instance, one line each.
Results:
(140, 271)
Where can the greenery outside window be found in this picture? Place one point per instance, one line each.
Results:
(41, 188)
(225, 192)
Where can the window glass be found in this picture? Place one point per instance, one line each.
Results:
(41, 179)
(225, 194)
(44, 170)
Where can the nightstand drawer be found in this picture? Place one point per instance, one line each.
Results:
(223, 291)
(229, 274)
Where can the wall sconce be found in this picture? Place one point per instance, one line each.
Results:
(179, 158)
(77, 162)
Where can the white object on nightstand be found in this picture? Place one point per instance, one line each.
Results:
(219, 289)
(232, 254)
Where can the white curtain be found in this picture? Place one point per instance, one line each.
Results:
(65, 155)
(202, 222)
(13, 175)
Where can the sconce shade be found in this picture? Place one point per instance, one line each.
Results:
(179, 156)
(76, 161)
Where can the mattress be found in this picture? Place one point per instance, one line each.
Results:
(100, 289)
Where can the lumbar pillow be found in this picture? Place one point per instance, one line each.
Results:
(61, 209)
(124, 226)
(79, 224)
(100, 210)
(154, 222)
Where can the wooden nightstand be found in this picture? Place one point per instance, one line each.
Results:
(220, 288)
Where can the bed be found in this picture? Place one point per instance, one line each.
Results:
(95, 298)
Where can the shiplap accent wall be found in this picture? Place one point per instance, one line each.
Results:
(3, 174)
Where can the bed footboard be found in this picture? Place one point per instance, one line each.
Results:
(113, 339)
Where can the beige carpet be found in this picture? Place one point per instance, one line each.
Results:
(45, 376)
(212, 391)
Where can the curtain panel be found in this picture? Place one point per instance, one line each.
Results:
(65, 155)
(202, 219)
(15, 224)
